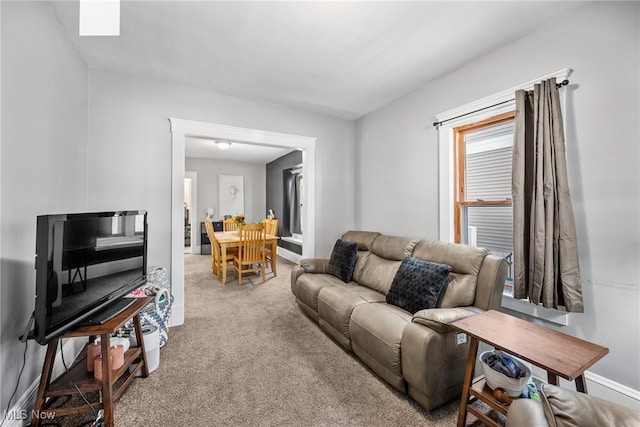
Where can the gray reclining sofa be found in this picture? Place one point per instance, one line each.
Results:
(417, 353)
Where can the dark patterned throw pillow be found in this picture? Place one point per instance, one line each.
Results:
(343, 260)
(418, 284)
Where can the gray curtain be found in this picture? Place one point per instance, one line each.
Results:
(544, 232)
(292, 202)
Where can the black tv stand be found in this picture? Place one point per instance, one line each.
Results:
(103, 315)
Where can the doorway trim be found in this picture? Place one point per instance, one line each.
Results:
(195, 227)
(180, 129)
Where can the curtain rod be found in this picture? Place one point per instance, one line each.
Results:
(436, 124)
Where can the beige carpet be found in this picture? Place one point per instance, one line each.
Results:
(247, 356)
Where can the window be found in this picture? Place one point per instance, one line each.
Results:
(482, 186)
(467, 118)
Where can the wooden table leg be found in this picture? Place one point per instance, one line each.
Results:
(468, 379)
(274, 248)
(214, 262)
(223, 249)
(137, 325)
(44, 380)
(552, 378)
(107, 392)
(581, 384)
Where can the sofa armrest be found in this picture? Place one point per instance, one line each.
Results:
(567, 407)
(309, 265)
(315, 265)
(440, 319)
(491, 279)
(526, 413)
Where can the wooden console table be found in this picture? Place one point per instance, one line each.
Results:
(135, 357)
(559, 354)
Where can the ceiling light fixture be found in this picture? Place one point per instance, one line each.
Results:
(223, 145)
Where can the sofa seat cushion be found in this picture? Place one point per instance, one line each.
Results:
(308, 286)
(376, 333)
(335, 305)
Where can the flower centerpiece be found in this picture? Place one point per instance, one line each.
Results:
(238, 219)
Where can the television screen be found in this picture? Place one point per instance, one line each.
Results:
(84, 263)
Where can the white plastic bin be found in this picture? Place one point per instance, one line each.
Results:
(151, 345)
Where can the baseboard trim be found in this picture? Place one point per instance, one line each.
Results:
(598, 386)
(611, 390)
(287, 254)
(21, 411)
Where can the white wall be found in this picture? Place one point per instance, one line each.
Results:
(254, 187)
(601, 43)
(129, 154)
(44, 131)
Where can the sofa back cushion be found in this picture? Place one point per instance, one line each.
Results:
(380, 267)
(465, 262)
(364, 239)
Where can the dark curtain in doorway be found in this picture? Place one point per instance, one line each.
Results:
(295, 225)
(292, 202)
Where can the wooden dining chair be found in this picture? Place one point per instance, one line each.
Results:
(229, 225)
(208, 225)
(217, 263)
(251, 254)
(270, 227)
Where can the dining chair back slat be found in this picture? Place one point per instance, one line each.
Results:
(251, 254)
(212, 238)
(271, 226)
(229, 225)
(217, 263)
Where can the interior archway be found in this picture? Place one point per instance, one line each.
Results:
(180, 129)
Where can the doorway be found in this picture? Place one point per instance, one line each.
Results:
(191, 227)
(188, 212)
(180, 129)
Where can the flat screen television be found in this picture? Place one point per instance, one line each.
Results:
(85, 264)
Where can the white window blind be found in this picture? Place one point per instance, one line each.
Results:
(488, 163)
(488, 160)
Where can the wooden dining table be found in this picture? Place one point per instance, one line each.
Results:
(231, 239)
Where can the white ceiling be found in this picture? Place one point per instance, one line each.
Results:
(339, 58)
(207, 149)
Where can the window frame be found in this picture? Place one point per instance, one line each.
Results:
(459, 155)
